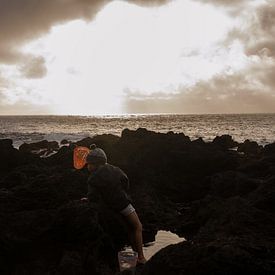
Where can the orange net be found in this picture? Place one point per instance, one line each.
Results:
(80, 154)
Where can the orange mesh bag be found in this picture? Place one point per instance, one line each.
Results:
(80, 154)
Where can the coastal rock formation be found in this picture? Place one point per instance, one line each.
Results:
(41, 148)
(231, 237)
(225, 141)
(12, 158)
(220, 200)
(250, 147)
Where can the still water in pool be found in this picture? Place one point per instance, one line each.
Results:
(163, 239)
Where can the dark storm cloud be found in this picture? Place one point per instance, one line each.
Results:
(24, 20)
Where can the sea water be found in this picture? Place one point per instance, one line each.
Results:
(162, 239)
(256, 127)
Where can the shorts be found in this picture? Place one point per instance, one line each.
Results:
(127, 210)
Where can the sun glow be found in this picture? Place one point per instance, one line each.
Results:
(91, 65)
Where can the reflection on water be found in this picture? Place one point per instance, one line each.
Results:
(257, 127)
(163, 239)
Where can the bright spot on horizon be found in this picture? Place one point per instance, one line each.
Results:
(130, 48)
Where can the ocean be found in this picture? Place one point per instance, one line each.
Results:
(256, 127)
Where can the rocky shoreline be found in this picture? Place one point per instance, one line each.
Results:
(219, 196)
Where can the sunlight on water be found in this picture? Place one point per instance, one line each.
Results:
(163, 239)
(257, 127)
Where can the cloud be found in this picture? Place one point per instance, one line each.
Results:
(3, 82)
(17, 102)
(23, 107)
(247, 90)
(223, 94)
(259, 36)
(149, 3)
(232, 7)
(34, 67)
(233, 3)
(4, 85)
(24, 20)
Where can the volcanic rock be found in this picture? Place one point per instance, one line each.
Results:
(225, 141)
(250, 147)
(36, 147)
(221, 201)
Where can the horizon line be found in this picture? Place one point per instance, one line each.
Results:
(137, 114)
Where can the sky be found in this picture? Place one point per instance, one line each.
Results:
(90, 57)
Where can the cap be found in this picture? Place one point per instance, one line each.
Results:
(96, 155)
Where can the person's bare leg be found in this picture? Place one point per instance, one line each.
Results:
(135, 233)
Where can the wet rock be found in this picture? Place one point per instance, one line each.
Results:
(64, 141)
(37, 147)
(63, 158)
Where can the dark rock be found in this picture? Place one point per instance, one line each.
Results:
(223, 258)
(36, 147)
(64, 157)
(6, 144)
(221, 201)
(198, 141)
(232, 183)
(64, 141)
(269, 149)
(250, 147)
(232, 238)
(86, 142)
(264, 196)
(12, 158)
(225, 141)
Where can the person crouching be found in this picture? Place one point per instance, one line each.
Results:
(110, 183)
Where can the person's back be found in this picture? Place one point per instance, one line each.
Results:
(108, 184)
